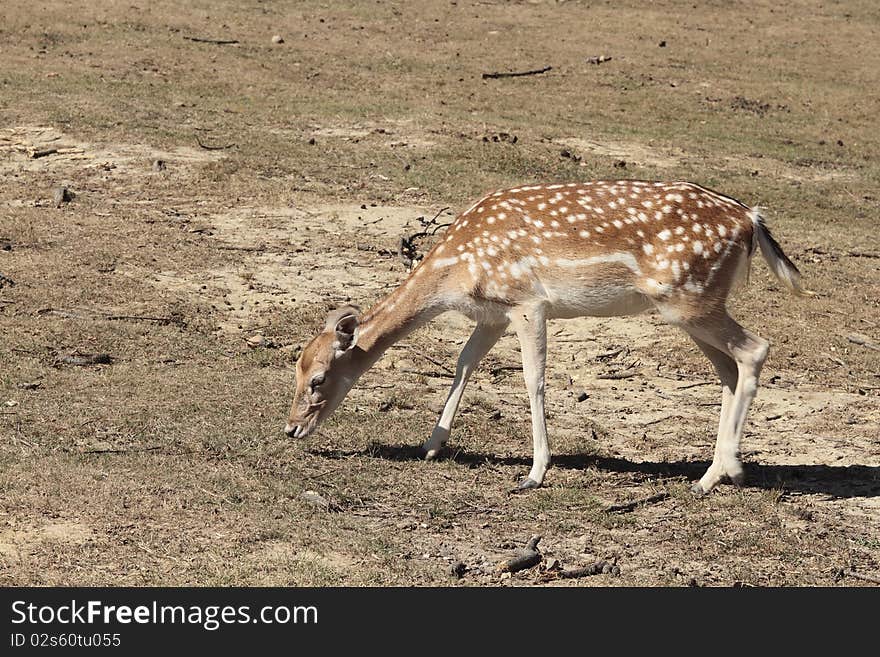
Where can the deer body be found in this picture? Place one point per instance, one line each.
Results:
(521, 256)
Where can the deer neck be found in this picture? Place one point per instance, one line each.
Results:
(394, 317)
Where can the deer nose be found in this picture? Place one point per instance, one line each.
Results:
(292, 430)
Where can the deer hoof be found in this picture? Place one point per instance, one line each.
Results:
(432, 454)
(697, 489)
(526, 484)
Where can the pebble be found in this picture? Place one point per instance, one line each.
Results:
(316, 499)
(458, 569)
(62, 195)
(277, 39)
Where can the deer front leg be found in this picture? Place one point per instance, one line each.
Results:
(531, 328)
(478, 345)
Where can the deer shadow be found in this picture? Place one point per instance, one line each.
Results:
(837, 481)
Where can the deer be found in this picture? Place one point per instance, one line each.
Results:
(522, 256)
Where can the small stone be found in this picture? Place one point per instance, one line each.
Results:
(495, 415)
(606, 568)
(552, 564)
(277, 39)
(458, 569)
(506, 575)
(583, 397)
(158, 165)
(62, 195)
(615, 570)
(316, 499)
(662, 44)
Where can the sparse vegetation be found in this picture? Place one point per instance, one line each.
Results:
(168, 466)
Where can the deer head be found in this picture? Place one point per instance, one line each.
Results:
(324, 372)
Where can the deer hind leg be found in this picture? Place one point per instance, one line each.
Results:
(726, 368)
(478, 345)
(531, 328)
(729, 345)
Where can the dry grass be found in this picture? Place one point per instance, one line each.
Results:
(169, 467)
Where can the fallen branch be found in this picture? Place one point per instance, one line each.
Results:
(524, 558)
(631, 506)
(516, 74)
(862, 254)
(218, 42)
(213, 148)
(597, 568)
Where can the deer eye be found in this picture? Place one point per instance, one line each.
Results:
(316, 381)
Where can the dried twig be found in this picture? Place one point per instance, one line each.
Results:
(146, 318)
(694, 385)
(122, 451)
(631, 506)
(658, 420)
(213, 148)
(43, 153)
(516, 74)
(84, 359)
(218, 42)
(865, 578)
(495, 371)
(436, 375)
(859, 339)
(434, 361)
(626, 374)
(406, 247)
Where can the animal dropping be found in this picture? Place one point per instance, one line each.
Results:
(519, 257)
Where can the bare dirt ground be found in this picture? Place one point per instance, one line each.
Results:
(288, 173)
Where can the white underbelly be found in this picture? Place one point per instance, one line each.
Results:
(595, 301)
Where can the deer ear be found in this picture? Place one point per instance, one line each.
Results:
(344, 323)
